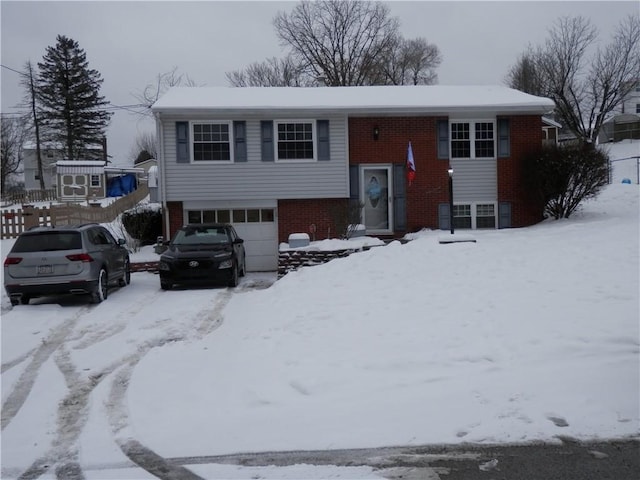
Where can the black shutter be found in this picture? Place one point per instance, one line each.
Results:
(399, 198)
(266, 129)
(182, 142)
(504, 215)
(354, 182)
(324, 152)
(444, 220)
(442, 131)
(240, 141)
(504, 138)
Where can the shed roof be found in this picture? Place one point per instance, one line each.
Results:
(80, 166)
(368, 99)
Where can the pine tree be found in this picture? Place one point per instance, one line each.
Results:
(69, 96)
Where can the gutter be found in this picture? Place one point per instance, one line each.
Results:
(162, 173)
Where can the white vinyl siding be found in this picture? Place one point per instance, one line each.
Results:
(474, 180)
(255, 179)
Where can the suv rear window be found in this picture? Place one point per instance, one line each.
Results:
(48, 242)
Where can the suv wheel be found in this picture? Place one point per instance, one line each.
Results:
(24, 300)
(126, 278)
(165, 285)
(101, 291)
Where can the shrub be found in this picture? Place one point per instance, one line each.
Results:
(143, 224)
(562, 176)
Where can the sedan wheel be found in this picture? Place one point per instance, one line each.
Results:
(243, 271)
(101, 291)
(126, 277)
(233, 281)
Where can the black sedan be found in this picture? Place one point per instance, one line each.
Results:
(202, 254)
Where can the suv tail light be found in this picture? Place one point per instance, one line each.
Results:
(80, 257)
(12, 261)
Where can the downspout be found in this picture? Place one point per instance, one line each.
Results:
(161, 172)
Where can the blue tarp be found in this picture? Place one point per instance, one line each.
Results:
(122, 185)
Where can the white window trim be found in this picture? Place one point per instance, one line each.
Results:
(229, 123)
(314, 140)
(472, 137)
(98, 176)
(474, 212)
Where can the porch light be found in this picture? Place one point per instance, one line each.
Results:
(376, 132)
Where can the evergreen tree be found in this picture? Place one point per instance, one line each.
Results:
(69, 96)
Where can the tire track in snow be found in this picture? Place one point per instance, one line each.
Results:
(207, 321)
(73, 410)
(15, 400)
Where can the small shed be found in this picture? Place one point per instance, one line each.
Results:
(77, 180)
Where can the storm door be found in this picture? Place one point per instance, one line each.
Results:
(376, 195)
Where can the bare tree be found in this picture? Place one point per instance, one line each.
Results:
(29, 82)
(587, 90)
(273, 72)
(145, 147)
(337, 42)
(524, 75)
(164, 81)
(409, 62)
(13, 133)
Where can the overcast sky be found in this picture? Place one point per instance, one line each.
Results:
(129, 43)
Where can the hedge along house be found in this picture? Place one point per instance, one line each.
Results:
(275, 160)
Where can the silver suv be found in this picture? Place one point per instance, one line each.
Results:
(77, 259)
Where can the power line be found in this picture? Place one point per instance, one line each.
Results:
(112, 107)
(14, 70)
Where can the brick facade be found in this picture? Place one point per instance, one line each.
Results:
(526, 135)
(431, 185)
(315, 217)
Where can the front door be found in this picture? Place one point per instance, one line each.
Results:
(376, 195)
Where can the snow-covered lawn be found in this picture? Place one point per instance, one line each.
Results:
(525, 335)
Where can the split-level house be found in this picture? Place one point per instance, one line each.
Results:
(277, 161)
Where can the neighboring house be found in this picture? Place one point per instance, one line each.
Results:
(49, 156)
(147, 164)
(625, 121)
(631, 103)
(274, 161)
(550, 131)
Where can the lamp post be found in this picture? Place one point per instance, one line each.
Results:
(451, 199)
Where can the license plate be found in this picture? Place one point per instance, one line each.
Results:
(45, 269)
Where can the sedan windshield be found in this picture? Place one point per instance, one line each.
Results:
(201, 236)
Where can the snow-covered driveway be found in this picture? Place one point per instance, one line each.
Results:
(64, 350)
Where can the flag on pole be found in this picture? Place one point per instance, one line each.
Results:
(411, 166)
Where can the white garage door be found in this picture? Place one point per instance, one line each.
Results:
(258, 227)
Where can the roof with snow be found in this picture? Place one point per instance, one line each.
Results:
(416, 99)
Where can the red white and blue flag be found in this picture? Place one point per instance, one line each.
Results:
(411, 166)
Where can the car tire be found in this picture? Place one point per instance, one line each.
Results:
(243, 271)
(101, 291)
(24, 300)
(165, 285)
(14, 302)
(126, 277)
(233, 281)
